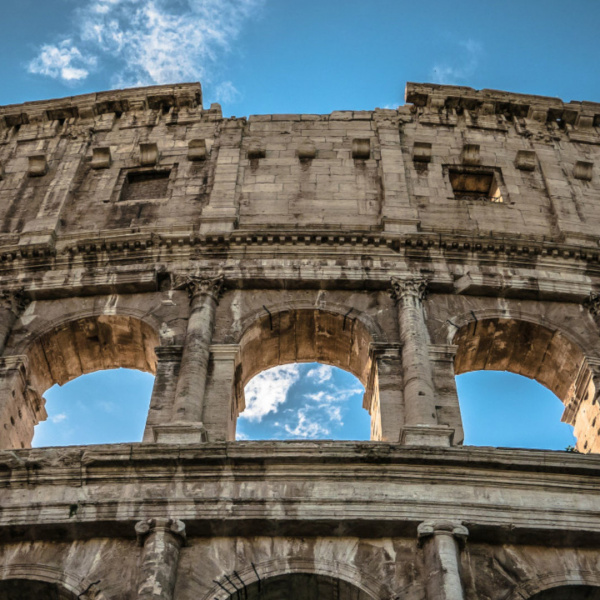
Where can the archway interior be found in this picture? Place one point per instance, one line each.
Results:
(26, 589)
(301, 586)
(72, 349)
(539, 353)
(302, 401)
(569, 592)
(302, 336)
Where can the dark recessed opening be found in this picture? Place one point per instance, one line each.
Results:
(145, 185)
(475, 185)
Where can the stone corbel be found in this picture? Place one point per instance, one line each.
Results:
(149, 154)
(38, 166)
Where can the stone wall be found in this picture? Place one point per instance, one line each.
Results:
(456, 233)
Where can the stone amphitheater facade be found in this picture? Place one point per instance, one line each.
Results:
(459, 232)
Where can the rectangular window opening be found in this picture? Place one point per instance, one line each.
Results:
(475, 185)
(145, 185)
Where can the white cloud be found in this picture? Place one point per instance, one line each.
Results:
(306, 428)
(462, 67)
(265, 392)
(321, 374)
(58, 418)
(146, 42)
(64, 61)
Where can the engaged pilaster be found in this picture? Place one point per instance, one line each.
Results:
(420, 420)
(12, 305)
(162, 540)
(441, 542)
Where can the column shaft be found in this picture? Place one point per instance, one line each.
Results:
(191, 384)
(162, 540)
(442, 559)
(418, 379)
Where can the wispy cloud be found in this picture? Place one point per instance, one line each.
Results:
(306, 428)
(58, 418)
(148, 42)
(265, 392)
(62, 61)
(458, 67)
(321, 374)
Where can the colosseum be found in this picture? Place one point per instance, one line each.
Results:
(458, 233)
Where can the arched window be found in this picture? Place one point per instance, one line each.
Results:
(538, 353)
(64, 353)
(287, 340)
(304, 401)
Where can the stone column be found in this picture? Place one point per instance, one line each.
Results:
(441, 541)
(168, 359)
(161, 540)
(420, 423)
(186, 417)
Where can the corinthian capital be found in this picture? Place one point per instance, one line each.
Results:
(415, 287)
(15, 301)
(197, 286)
(148, 526)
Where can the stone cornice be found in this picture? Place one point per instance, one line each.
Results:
(87, 477)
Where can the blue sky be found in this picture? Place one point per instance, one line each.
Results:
(265, 56)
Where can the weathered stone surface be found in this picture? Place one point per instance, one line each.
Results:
(139, 230)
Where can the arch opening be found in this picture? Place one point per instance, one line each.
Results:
(25, 589)
(304, 401)
(569, 592)
(104, 407)
(503, 409)
(293, 341)
(304, 586)
(538, 353)
(68, 351)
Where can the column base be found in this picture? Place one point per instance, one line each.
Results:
(180, 433)
(439, 436)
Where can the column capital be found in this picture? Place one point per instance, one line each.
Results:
(148, 526)
(14, 300)
(415, 287)
(452, 528)
(199, 286)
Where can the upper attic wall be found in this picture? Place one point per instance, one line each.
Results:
(437, 165)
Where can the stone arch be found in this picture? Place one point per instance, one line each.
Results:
(543, 587)
(364, 586)
(495, 340)
(61, 584)
(60, 349)
(296, 335)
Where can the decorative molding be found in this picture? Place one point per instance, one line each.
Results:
(14, 300)
(592, 303)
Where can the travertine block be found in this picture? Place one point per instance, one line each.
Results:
(470, 154)
(525, 160)
(422, 152)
